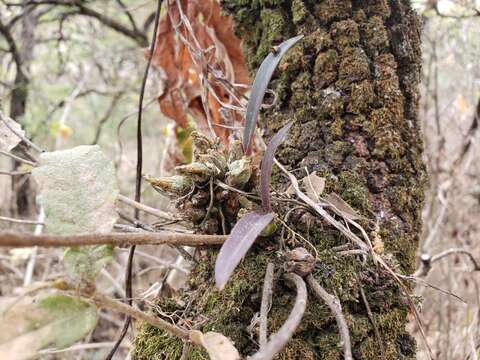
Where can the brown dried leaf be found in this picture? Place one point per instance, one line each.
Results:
(341, 207)
(314, 186)
(182, 96)
(218, 346)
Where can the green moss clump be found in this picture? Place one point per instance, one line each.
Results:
(326, 65)
(388, 143)
(389, 326)
(154, 344)
(298, 350)
(362, 96)
(329, 10)
(331, 103)
(355, 190)
(300, 88)
(299, 11)
(336, 127)
(374, 35)
(354, 65)
(378, 8)
(345, 34)
(271, 33)
(319, 40)
(385, 66)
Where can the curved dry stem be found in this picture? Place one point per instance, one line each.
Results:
(334, 304)
(284, 334)
(18, 158)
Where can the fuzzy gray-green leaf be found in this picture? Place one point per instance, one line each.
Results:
(78, 190)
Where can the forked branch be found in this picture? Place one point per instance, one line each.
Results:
(428, 261)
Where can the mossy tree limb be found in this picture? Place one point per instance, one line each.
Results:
(350, 87)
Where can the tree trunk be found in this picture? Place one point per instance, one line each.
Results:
(23, 190)
(350, 87)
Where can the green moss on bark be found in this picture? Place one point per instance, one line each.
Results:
(351, 88)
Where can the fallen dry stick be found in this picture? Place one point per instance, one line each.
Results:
(18, 240)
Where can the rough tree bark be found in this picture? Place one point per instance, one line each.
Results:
(351, 89)
(23, 189)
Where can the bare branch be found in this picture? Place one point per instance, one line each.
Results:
(334, 304)
(134, 34)
(80, 9)
(280, 339)
(428, 261)
(116, 239)
(472, 12)
(14, 173)
(106, 117)
(145, 208)
(13, 49)
(129, 15)
(467, 145)
(448, 252)
(20, 221)
(18, 158)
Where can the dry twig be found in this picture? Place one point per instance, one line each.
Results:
(20, 221)
(145, 208)
(105, 302)
(18, 158)
(116, 239)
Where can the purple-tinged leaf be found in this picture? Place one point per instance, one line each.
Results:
(267, 163)
(239, 241)
(262, 78)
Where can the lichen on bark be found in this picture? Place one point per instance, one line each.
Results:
(350, 87)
